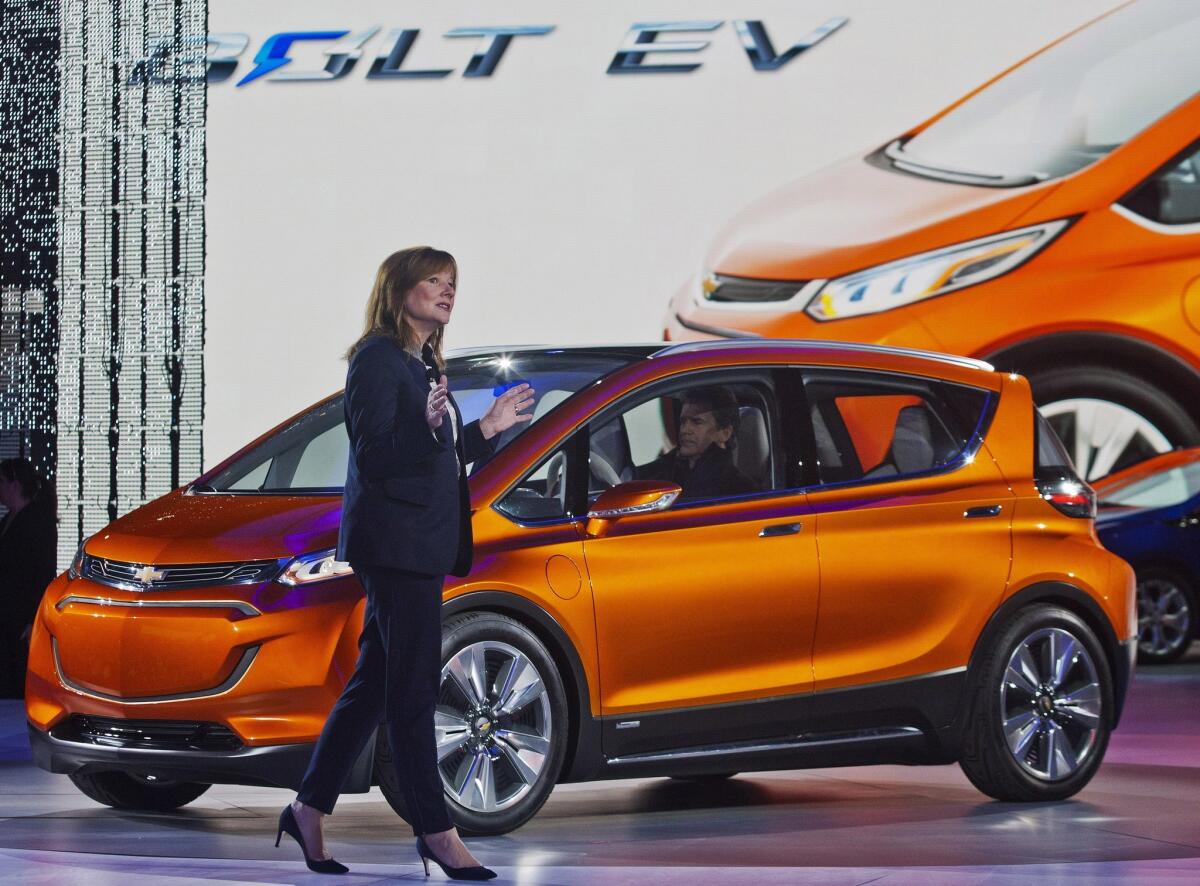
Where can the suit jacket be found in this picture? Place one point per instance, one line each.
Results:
(406, 504)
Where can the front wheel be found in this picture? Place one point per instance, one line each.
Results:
(1039, 709)
(501, 726)
(1109, 419)
(141, 793)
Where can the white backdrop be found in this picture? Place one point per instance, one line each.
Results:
(575, 201)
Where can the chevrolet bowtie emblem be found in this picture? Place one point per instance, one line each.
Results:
(148, 574)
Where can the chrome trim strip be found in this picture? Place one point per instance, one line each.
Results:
(714, 330)
(892, 152)
(804, 294)
(1157, 227)
(230, 682)
(240, 605)
(756, 341)
(796, 743)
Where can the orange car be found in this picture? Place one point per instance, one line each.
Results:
(699, 559)
(1049, 222)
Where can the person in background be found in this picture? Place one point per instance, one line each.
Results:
(28, 553)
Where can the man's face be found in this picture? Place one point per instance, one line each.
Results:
(698, 430)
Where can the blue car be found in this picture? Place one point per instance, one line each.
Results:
(1149, 514)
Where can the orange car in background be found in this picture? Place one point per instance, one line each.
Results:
(1048, 222)
(907, 571)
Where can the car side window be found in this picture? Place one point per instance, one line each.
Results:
(542, 493)
(711, 437)
(873, 426)
(1172, 195)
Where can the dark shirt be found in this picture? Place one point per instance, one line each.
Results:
(28, 562)
(714, 475)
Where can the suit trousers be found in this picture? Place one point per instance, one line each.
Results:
(396, 679)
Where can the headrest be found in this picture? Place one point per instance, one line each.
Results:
(753, 447)
(912, 441)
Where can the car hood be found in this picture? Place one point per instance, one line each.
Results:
(218, 528)
(854, 215)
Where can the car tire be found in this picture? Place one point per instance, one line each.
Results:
(1095, 382)
(120, 790)
(522, 750)
(1039, 708)
(1173, 596)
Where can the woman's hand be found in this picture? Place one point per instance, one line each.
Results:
(506, 411)
(435, 404)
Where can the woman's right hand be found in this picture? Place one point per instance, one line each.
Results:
(435, 404)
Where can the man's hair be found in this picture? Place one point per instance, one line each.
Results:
(720, 402)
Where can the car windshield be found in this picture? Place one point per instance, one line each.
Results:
(308, 456)
(1161, 490)
(1070, 105)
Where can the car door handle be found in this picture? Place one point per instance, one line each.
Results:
(780, 529)
(985, 511)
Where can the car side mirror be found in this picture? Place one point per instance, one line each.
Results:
(624, 499)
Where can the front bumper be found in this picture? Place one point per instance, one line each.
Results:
(271, 765)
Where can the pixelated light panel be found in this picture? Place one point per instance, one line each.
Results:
(111, 370)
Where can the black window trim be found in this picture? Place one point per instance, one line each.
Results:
(965, 457)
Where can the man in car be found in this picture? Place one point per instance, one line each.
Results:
(702, 461)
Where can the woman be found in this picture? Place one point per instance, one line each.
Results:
(28, 555)
(405, 525)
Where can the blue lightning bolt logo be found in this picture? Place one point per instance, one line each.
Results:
(274, 53)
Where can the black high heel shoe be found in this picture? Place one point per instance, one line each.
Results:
(475, 872)
(287, 823)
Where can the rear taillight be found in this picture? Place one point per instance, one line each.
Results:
(1069, 495)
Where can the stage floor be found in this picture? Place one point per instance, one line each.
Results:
(1138, 822)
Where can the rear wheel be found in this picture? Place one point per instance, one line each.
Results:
(501, 725)
(1110, 419)
(1166, 616)
(145, 793)
(1039, 708)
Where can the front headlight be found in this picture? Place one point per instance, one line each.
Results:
(311, 568)
(918, 277)
(76, 567)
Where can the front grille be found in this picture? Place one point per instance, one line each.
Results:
(719, 288)
(155, 735)
(142, 577)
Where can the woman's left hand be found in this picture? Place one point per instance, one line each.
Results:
(506, 411)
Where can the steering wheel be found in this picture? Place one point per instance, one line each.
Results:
(555, 487)
(604, 471)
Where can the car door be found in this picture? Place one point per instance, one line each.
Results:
(913, 525)
(706, 608)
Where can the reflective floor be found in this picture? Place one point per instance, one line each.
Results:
(1138, 822)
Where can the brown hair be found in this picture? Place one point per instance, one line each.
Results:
(399, 273)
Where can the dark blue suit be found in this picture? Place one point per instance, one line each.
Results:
(406, 503)
(405, 525)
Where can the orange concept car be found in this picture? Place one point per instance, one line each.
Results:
(1048, 222)
(698, 559)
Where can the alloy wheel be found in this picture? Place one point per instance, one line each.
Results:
(1164, 617)
(1051, 704)
(493, 726)
(1102, 436)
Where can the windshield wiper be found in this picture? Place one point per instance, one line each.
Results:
(895, 153)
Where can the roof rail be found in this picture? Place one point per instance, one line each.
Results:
(853, 347)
